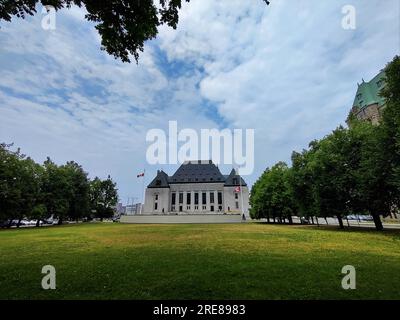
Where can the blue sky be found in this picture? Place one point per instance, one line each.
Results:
(289, 71)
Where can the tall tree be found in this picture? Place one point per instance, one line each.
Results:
(19, 184)
(56, 189)
(103, 197)
(303, 181)
(10, 191)
(78, 192)
(272, 196)
(391, 127)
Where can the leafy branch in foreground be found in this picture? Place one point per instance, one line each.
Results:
(124, 25)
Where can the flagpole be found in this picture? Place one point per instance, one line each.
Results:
(127, 207)
(241, 192)
(143, 194)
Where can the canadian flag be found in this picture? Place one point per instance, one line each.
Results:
(140, 175)
(237, 189)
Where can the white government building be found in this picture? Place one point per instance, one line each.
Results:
(197, 188)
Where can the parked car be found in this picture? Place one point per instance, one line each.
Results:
(366, 217)
(25, 222)
(304, 220)
(4, 224)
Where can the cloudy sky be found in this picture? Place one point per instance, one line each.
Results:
(289, 71)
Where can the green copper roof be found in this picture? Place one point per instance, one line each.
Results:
(368, 92)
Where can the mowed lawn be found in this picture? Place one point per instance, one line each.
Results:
(233, 261)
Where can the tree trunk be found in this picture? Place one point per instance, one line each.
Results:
(60, 221)
(348, 223)
(290, 220)
(316, 218)
(10, 223)
(312, 220)
(19, 223)
(38, 223)
(326, 220)
(378, 222)
(268, 219)
(340, 222)
(274, 220)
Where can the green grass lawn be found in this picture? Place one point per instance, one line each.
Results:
(236, 261)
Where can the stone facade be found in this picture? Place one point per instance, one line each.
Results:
(197, 188)
(368, 103)
(372, 113)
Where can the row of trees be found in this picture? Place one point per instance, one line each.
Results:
(354, 170)
(33, 191)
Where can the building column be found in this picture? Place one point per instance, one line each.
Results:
(208, 201)
(216, 201)
(184, 205)
(192, 201)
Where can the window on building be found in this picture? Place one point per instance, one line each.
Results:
(187, 207)
(196, 198)
(212, 197)
(196, 207)
(236, 195)
(188, 198)
(212, 208)
(156, 197)
(237, 205)
(204, 208)
(155, 206)
(173, 199)
(204, 198)
(220, 208)
(219, 197)
(180, 197)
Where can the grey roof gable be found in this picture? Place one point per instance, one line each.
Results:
(160, 181)
(233, 180)
(196, 172)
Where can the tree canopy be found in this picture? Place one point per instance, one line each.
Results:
(33, 191)
(354, 170)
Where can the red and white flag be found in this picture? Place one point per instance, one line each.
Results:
(237, 189)
(140, 175)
